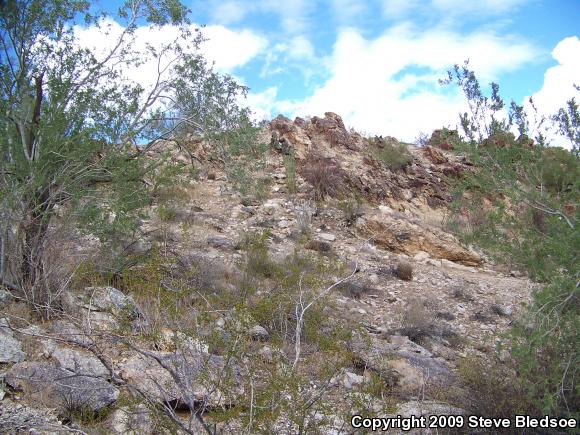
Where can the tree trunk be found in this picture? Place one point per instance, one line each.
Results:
(33, 238)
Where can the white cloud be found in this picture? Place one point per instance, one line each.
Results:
(455, 8)
(480, 7)
(262, 102)
(559, 80)
(347, 10)
(227, 48)
(297, 53)
(230, 49)
(300, 48)
(398, 8)
(292, 14)
(376, 86)
(229, 12)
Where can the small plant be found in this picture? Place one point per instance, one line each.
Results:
(392, 153)
(495, 388)
(404, 270)
(325, 175)
(351, 208)
(166, 213)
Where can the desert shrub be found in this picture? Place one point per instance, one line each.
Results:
(560, 170)
(523, 191)
(393, 154)
(258, 262)
(166, 213)
(351, 208)
(324, 174)
(496, 389)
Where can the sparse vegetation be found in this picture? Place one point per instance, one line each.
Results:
(324, 174)
(390, 152)
(519, 205)
(121, 263)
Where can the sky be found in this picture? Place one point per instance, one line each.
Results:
(377, 63)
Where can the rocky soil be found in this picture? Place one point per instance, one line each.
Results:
(411, 327)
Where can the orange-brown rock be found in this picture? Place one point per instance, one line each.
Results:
(407, 238)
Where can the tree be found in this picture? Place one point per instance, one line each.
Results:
(72, 120)
(527, 193)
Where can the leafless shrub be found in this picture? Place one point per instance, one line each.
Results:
(324, 174)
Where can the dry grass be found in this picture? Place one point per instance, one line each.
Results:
(325, 175)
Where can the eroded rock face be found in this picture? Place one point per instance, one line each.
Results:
(77, 361)
(360, 170)
(403, 363)
(10, 348)
(184, 379)
(108, 299)
(404, 237)
(101, 307)
(132, 420)
(55, 386)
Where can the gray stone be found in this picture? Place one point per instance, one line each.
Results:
(327, 237)
(109, 299)
(501, 310)
(403, 363)
(10, 347)
(15, 418)
(351, 380)
(219, 242)
(202, 378)
(71, 333)
(5, 298)
(56, 386)
(131, 420)
(259, 333)
(77, 361)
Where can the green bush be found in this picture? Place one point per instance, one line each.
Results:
(525, 199)
(393, 154)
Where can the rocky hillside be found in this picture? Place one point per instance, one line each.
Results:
(337, 292)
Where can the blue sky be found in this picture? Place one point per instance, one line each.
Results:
(376, 63)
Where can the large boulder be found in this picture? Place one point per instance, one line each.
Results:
(185, 378)
(101, 307)
(61, 388)
(402, 363)
(77, 361)
(405, 237)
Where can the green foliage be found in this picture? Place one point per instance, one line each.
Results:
(166, 213)
(391, 153)
(75, 131)
(445, 138)
(568, 121)
(351, 208)
(521, 205)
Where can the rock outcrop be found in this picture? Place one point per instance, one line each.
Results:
(62, 388)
